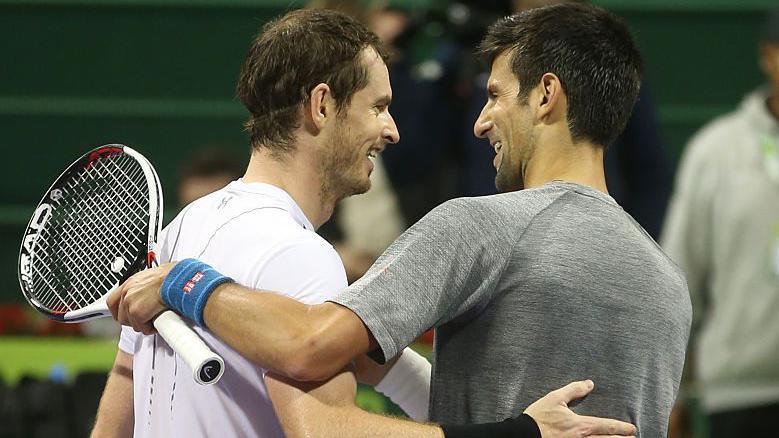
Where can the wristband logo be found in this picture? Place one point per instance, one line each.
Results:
(191, 283)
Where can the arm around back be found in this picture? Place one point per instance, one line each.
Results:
(300, 341)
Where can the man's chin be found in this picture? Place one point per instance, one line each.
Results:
(358, 188)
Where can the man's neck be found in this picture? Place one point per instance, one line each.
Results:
(580, 163)
(296, 175)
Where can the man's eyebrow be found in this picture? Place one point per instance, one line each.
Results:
(383, 100)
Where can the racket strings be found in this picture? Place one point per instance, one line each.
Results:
(98, 227)
(74, 245)
(78, 246)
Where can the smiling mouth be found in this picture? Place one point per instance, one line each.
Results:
(497, 146)
(373, 154)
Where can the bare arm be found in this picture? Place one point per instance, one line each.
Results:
(294, 339)
(291, 338)
(115, 414)
(314, 343)
(328, 410)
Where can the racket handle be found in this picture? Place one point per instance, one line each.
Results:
(207, 366)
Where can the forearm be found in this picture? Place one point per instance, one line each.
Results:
(115, 413)
(327, 409)
(279, 333)
(351, 421)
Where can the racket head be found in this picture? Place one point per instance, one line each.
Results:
(94, 227)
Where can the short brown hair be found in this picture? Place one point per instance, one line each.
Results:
(290, 56)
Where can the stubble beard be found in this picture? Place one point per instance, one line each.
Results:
(339, 168)
(508, 178)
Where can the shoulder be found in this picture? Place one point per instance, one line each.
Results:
(526, 202)
(306, 268)
(719, 136)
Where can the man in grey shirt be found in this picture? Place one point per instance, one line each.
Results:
(548, 282)
(530, 290)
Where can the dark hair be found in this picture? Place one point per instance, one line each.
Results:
(290, 56)
(589, 49)
(771, 27)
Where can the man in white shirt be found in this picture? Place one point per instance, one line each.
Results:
(722, 228)
(316, 125)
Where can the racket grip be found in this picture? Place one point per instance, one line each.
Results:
(207, 366)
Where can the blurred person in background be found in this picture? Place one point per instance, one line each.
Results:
(423, 62)
(638, 171)
(723, 230)
(205, 171)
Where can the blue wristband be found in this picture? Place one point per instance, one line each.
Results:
(187, 287)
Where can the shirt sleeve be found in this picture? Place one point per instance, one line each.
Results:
(309, 271)
(444, 265)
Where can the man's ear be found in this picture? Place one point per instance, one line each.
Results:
(319, 106)
(549, 101)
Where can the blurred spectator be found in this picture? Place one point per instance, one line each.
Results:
(421, 167)
(205, 171)
(638, 172)
(369, 223)
(723, 230)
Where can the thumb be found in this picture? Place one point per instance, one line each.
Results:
(113, 300)
(575, 390)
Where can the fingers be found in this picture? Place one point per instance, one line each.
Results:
(574, 390)
(141, 314)
(136, 302)
(604, 427)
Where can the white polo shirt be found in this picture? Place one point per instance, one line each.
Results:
(256, 234)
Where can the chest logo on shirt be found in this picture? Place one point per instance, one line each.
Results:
(191, 283)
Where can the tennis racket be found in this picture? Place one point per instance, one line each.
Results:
(96, 226)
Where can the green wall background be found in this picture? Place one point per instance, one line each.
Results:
(159, 75)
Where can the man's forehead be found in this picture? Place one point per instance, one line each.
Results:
(371, 58)
(378, 75)
(500, 71)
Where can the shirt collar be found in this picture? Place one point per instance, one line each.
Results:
(756, 107)
(277, 193)
(585, 190)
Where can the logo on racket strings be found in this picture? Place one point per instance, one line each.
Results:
(191, 283)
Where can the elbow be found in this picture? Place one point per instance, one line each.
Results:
(309, 360)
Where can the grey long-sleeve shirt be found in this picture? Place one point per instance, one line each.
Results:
(529, 291)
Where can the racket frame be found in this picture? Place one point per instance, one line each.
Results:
(207, 367)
